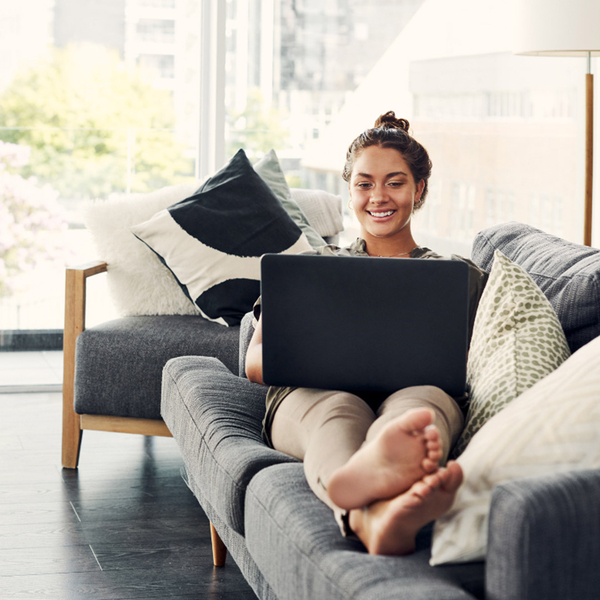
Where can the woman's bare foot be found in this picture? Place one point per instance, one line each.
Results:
(406, 449)
(390, 526)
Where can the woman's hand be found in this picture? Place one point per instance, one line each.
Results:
(254, 355)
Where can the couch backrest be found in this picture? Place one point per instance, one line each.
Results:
(567, 273)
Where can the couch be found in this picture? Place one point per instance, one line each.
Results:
(543, 532)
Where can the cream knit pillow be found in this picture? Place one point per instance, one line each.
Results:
(553, 427)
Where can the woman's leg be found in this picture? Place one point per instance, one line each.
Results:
(448, 417)
(390, 525)
(414, 430)
(323, 428)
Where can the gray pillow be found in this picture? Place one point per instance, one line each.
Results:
(270, 171)
(567, 273)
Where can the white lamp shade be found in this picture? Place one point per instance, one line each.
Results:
(557, 27)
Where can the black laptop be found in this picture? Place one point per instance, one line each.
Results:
(364, 324)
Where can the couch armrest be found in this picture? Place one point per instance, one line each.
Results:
(216, 420)
(544, 538)
(75, 288)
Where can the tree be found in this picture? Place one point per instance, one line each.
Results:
(257, 129)
(79, 110)
(29, 214)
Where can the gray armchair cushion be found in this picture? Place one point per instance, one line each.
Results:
(544, 538)
(119, 363)
(296, 543)
(567, 273)
(216, 418)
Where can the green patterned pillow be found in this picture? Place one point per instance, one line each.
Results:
(517, 340)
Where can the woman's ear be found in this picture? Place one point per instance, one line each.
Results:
(420, 188)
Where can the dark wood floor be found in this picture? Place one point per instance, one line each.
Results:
(124, 525)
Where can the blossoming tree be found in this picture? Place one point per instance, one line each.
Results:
(30, 218)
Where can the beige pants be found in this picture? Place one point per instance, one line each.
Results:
(325, 428)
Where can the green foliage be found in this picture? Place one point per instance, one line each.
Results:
(78, 110)
(257, 129)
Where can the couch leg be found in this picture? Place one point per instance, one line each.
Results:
(71, 444)
(218, 547)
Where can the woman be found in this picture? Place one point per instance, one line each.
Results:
(375, 461)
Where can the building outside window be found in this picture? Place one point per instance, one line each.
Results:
(156, 31)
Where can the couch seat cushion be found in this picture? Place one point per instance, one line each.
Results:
(296, 543)
(567, 273)
(120, 362)
(216, 419)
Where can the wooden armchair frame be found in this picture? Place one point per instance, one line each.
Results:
(74, 423)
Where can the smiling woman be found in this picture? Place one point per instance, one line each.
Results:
(375, 459)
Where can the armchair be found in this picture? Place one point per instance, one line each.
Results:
(74, 423)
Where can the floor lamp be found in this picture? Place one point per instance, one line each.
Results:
(565, 28)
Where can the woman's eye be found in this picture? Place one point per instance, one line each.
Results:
(396, 183)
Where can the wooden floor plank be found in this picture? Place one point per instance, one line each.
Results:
(28, 513)
(46, 561)
(43, 535)
(174, 556)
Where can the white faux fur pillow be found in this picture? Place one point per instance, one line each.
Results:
(138, 282)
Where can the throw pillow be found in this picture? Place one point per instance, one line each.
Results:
(517, 340)
(138, 283)
(212, 241)
(567, 273)
(269, 169)
(553, 427)
(322, 209)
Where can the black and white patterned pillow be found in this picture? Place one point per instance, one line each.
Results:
(212, 241)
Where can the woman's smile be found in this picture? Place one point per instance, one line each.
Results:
(381, 215)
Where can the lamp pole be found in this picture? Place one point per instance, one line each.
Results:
(589, 152)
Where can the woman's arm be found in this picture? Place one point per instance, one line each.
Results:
(254, 355)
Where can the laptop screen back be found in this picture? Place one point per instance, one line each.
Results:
(364, 324)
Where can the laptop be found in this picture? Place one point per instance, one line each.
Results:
(364, 324)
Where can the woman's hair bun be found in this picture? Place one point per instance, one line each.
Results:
(390, 121)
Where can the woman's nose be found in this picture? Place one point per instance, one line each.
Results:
(377, 194)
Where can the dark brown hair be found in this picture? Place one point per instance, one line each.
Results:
(391, 132)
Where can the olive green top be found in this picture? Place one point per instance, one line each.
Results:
(477, 281)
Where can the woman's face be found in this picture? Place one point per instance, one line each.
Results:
(383, 192)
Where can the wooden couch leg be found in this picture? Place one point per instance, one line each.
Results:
(71, 439)
(218, 547)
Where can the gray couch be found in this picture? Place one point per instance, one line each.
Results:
(544, 533)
